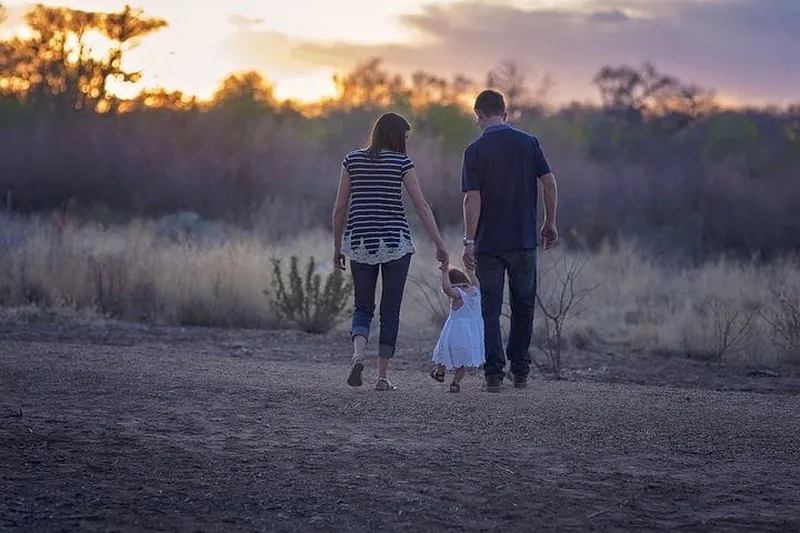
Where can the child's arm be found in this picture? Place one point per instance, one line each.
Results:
(473, 278)
(447, 287)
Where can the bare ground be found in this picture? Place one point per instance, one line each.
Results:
(130, 428)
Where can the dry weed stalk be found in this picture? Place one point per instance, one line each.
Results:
(785, 321)
(560, 300)
(731, 324)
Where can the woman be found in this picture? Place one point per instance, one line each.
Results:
(377, 237)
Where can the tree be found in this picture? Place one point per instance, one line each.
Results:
(636, 92)
(58, 66)
(160, 98)
(247, 91)
(368, 85)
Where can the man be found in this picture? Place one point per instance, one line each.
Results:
(499, 182)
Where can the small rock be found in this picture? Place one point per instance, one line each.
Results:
(764, 373)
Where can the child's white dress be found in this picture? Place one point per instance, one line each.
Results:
(461, 341)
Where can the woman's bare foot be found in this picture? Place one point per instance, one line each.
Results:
(357, 368)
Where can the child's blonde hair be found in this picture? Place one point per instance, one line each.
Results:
(457, 277)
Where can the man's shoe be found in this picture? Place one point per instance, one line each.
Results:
(493, 384)
(520, 382)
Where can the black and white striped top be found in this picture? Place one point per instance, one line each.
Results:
(377, 229)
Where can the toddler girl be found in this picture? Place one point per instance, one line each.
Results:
(460, 344)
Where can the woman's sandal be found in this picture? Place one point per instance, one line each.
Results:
(438, 376)
(384, 384)
(455, 387)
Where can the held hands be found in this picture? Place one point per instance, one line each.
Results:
(443, 257)
(469, 256)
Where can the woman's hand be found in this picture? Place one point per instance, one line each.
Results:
(339, 260)
(442, 256)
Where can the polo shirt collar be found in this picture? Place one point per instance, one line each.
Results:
(497, 127)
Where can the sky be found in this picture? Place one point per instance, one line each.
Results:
(747, 50)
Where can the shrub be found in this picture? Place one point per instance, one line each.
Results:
(785, 321)
(304, 302)
(731, 324)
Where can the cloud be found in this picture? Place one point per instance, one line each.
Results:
(269, 51)
(746, 49)
(243, 22)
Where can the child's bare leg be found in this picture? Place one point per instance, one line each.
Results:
(455, 386)
(440, 369)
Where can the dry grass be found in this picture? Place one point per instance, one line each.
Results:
(133, 273)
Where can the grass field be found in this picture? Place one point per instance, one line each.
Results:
(207, 274)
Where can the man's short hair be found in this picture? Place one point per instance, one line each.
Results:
(490, 103)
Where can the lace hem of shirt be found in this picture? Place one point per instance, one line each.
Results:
(384, 254)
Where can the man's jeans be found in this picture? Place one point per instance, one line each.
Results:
(393, 282)
(491, 269)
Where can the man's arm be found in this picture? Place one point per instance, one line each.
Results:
(471, 187)
(472, 212)
(550, 193)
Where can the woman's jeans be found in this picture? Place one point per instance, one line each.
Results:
(393, 282)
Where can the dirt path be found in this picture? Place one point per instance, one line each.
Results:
(247, 432)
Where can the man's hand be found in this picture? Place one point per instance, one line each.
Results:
(469, 256)
(339, 260)
(549, 234)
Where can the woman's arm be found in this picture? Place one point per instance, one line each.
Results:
(422, 207)
(340, 209)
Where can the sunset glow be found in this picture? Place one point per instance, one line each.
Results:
(299, 45)
(204, 42)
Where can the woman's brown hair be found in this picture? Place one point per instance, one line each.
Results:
(388, 133)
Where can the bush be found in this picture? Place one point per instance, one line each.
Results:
(303, 302)
(785, 321)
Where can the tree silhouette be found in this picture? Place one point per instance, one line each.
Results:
(509, 80)
(428, 89)
(640, 91)
(369, 86)
(58, 65)
(248, 91)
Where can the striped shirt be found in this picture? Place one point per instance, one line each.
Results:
(377, 229)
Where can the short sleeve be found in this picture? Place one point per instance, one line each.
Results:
(408, 164)
(540, 164)
(470, 178)
(346, 162)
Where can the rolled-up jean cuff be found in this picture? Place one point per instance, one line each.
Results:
(359, 331)
(386, 351)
